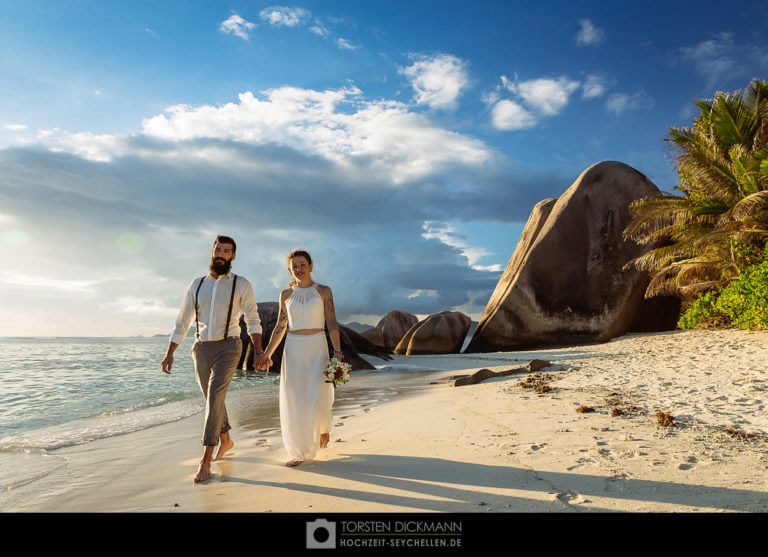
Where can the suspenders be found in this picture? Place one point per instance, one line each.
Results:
(229, 313)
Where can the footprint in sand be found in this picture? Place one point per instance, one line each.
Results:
(691, 462)
(570, 497)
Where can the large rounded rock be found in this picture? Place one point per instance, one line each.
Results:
(440, 333)
(391, 328)
(566, 282)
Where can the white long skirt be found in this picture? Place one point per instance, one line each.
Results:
(306, 400)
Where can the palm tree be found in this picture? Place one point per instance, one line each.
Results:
(706, 237)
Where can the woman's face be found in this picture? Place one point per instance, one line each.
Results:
(300, 268)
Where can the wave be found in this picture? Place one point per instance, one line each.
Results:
(27, 457)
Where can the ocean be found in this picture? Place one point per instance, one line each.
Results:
(57, 392)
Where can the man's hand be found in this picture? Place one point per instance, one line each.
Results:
(167, 364)
(262, 362)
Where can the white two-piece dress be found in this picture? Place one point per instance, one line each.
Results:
(306, 400)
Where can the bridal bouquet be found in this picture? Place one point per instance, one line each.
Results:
(337, 372)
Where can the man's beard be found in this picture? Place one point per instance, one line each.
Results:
(220, 268)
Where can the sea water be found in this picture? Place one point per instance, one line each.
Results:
(57, 392)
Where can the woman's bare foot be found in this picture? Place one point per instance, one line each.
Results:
(224, 447)
(324, 439)
(293, 463)
(203, 472)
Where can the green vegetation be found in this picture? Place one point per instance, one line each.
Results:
(707, 246)
(742, 304)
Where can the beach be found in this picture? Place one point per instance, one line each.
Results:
(669, 422)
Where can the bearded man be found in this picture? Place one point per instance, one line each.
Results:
(214, 304)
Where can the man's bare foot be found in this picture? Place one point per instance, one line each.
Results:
(224, 448)
(293, 463)
(203, 472)
(324, 439)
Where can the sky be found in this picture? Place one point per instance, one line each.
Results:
(402, 143)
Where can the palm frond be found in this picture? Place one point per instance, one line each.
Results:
(702, 239)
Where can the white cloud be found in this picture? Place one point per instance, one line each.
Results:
(335, 125)
(320, 30)
(89, 146)
(544, 96)
(594, 86)
(236, 25)
(50, 283)
(344, 44)
(548, 96)
(508, 115)
(624, 102)
(589, 34)
(282, 16)
(721, 59)
(438, 81)
(447, 235)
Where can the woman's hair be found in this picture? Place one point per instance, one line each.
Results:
(299, 253)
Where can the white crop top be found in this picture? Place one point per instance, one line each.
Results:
(305, 308)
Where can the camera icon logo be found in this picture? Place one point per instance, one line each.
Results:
(321, 534)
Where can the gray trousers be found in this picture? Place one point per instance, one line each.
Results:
(215, 365)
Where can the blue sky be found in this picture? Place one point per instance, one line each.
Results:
(403, 144)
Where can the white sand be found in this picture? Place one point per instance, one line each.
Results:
(421, 445)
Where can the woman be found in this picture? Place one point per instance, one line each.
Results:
(306, 309)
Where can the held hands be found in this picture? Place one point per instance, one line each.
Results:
(261, 361)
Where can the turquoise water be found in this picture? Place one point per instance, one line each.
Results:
(57, 392)
(61, 391)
